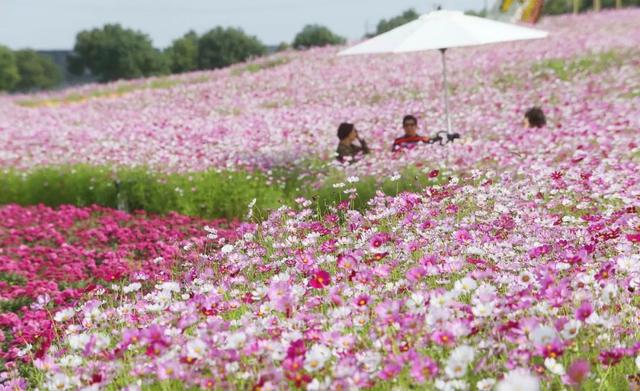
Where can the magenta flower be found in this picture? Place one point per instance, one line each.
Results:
(443, 338)
(379, 239)
(611, 357)
(423, 368)
(296, 349)
(539, 251)
(584, 311)
(390, 370)
(361, 300)
(462, 236)
(280, 295)
(155, 338)
(320, 279)
(577, 372)
(551, 350)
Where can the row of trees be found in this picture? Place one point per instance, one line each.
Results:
(113, 52)
(25, 70)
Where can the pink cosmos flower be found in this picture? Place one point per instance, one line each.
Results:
(577, 372)
(584, 311)
(379, 239)
(423, 368)
(462, 236)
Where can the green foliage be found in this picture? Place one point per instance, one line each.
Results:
(283, 46)
(316, 35)
(36, 71)
(386, 25)
(481, 13)
(113, 53)
(210, 194)
(556, 7)
(15, 305)
(121, 89)
(259, 66)
(12, 278)
(565, 69)
(182, 55)
(9, 75)
(222, 47)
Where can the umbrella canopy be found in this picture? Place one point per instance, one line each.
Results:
(442, 30)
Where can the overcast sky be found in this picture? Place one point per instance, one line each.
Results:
(53, 24)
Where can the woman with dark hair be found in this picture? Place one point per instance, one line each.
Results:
(347, 151)
(534, 118)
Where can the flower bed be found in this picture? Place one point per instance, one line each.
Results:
(51, 258)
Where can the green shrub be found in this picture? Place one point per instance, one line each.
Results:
(211, 194)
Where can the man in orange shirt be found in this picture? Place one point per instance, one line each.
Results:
(411, 137)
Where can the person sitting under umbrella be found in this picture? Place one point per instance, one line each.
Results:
(347, 151)
(411, 137)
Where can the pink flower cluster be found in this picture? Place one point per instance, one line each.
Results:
(52, 257)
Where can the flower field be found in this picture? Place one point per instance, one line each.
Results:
(512, 264)
(50, 258)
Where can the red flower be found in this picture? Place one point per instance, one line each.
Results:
(434, 174)
(320, 279)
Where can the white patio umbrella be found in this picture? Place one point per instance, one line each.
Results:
(443, 30)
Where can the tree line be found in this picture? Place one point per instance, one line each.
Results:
(113, 52)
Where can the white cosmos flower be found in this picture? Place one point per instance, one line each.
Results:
(369, 360)
(227, 248)
(543, 335)
(316, 357)
(554, 367)
(64, 315)
(451, 385)
(71, 360)
(135, 286)
(196, 348)
(169, 286)
(519, 379)
(78, 341)
(638, 362)
(236, 340)
(61, 381)
(459, 360)
(571, 329)
(482, 310)
(609, 293)
(465, 285)
(486, 384)
(416, 303)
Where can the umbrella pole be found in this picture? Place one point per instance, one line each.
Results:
(446, 90)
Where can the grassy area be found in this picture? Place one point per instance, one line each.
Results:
(567, 68)
(209, 194)
(259, 66)
(111, 91)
